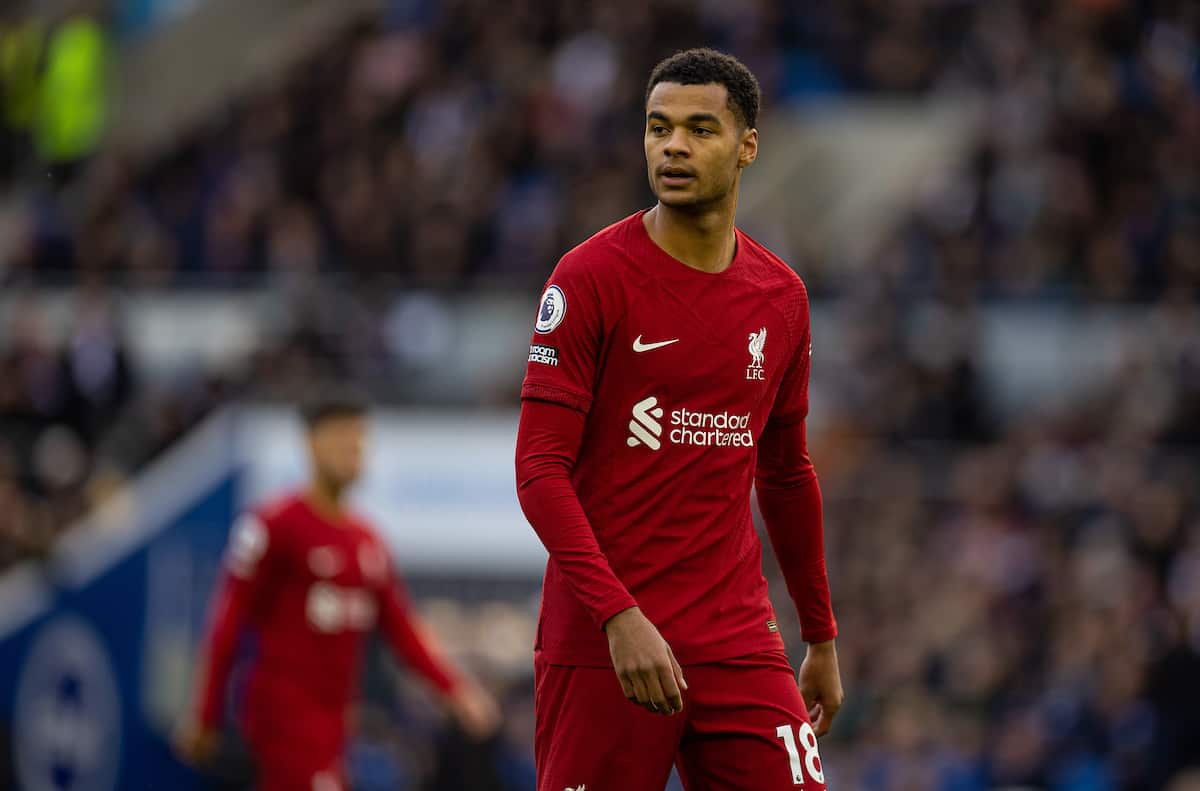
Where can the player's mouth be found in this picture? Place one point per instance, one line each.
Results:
(674, 176)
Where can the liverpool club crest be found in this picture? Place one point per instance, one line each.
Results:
(757, 341)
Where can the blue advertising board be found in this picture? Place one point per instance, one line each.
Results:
(97, 644)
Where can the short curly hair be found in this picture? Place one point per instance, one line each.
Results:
(701, 66)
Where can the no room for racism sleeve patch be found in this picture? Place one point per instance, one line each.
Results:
(546, 355)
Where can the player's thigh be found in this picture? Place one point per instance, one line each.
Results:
(749, 729)
(589, 736)
(285, 764)
(277, 773)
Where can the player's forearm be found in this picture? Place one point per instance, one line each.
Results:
(415, 649)
(789, 498)
(793, 519)
(547, 441)
(553, 510)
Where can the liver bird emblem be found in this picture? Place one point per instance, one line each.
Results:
(757, 341)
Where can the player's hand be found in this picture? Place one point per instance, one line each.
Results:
(647, 669)
(475, 710)
(195, 744)
(821, 685)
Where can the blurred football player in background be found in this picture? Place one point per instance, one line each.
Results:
(312, 580)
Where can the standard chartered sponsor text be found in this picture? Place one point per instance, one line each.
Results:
(710, 429)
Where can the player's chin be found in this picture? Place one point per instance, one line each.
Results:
(678, 198)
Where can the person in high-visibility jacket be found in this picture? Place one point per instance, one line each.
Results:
(73, 100)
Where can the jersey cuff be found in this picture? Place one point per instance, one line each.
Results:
(601, 615)
(822, 635)
(445, 682)
(557, 395)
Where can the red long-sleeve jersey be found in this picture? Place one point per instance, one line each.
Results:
(655, 396)
(310, 588)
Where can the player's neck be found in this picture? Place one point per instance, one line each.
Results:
(326, 499)
(703, 240)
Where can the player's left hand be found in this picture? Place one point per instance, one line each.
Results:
(475, 710)
(821, 685)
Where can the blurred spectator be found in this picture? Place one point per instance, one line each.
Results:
(54, 93)
(21, 46)
(73, 96)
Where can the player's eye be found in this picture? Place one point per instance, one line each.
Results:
(700, 130)
(658, 129)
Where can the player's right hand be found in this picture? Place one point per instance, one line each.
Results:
(476, 711)
(649, 674)
(195, 744)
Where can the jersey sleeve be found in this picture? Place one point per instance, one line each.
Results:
(791, 400)
(567, 337)
(411, 643)
(248, 569)
(789, 498)
(548, 441)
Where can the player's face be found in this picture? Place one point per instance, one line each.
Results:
(695, 147)
(338, 446)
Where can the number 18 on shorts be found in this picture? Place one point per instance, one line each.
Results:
(802, 752)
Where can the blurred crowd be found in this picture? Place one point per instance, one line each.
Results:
(453, 146)
(56, 404)
(1083, 182)
(1018, 600)
(1019, 597)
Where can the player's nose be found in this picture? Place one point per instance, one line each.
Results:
(677, 144)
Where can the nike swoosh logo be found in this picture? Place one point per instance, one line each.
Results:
(638, 346)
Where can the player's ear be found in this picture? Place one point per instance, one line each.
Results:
(749, 148)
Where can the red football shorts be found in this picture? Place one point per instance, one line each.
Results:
(293, 773)
(295, 747)
(744, 727)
